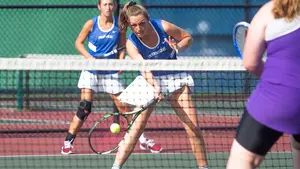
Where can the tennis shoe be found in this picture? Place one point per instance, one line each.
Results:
(151, 146)
(67, 148)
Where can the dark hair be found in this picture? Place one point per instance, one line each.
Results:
(130, 9)
(288, 9)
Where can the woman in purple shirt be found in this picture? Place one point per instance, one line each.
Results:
(273, 107)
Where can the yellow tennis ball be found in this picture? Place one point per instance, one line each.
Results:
(115, 128)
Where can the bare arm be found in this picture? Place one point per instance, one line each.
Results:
(135, 55)
(79, 43)
(183, 37)
(255, 41)
(122, 54)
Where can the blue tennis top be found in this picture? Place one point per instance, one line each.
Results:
(161, 50)
(275, 102)
(102, 42)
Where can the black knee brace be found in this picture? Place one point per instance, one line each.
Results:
(84, 109)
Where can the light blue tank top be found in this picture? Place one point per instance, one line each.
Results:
(102, 42)
(275, 102)
(161, 50)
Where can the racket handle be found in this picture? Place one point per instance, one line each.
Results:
(121, 48)
(115, 51)
(116, 119)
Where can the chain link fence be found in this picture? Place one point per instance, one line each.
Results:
(51, 26)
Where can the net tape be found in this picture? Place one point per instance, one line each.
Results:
(75, 62)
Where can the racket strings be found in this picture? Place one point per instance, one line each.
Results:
(241, 38)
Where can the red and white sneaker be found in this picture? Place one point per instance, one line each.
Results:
(151, 145)
(67, 148)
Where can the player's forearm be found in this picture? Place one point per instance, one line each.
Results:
(185, 43)
(122, 54)
(255, 69)
(81, 49)
(150, 78)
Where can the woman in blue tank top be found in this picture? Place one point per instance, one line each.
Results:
(151, 39)
(273, 107)
(103, 37)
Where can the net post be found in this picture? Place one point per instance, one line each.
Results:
(20, 92)
(27, 89)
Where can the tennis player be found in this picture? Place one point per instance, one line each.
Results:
(103, 37)
(273, 107)
(151, 39)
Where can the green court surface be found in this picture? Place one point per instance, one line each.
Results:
(139, 161)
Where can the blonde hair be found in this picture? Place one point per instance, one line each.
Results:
(288, 9)
(130, 9)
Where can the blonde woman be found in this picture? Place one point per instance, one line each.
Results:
(273, 107)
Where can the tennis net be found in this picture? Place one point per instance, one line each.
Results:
(39, 97)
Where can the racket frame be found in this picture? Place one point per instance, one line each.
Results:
(238, 26)
(135, 114)
(106, 116)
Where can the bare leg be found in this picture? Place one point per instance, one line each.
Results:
(181, 102)
(123, 107)
(296, 153)
(76, 123)
(129, 142)
(241, 158)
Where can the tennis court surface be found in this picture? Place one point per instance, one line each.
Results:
(40, 96)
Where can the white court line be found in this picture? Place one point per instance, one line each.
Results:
(113, 154)
(34, 121)
(61, 155)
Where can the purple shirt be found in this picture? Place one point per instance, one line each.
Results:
(275, 102)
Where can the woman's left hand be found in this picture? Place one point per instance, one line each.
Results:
(172, 43)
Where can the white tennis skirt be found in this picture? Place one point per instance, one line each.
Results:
(139, 92)
(172, 82)
(108, 83)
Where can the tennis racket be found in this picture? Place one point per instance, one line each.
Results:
(114, 51)
(239, 36)
(102, 141)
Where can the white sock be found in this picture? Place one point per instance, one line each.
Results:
(142, 138)
(67, 144)
(116, 166)
(203, 168)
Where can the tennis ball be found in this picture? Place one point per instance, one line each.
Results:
(115, 128)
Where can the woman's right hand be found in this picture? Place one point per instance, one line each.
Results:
(158, 94)
(172, 43)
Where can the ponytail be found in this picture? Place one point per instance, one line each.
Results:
(123, 19)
